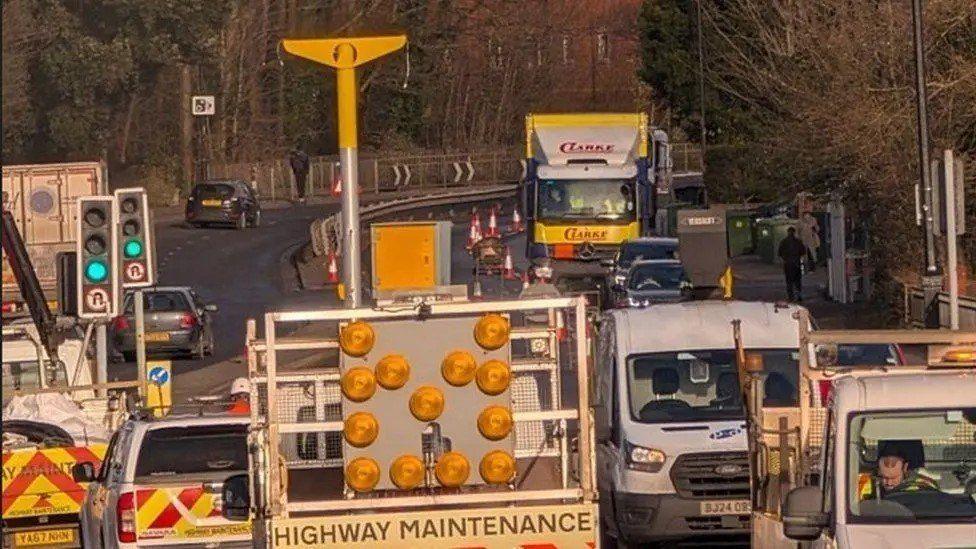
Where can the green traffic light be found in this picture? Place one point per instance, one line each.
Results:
(96, 271)
(132, 248)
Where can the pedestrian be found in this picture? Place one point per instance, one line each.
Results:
(792, 251)
(240, 397)
(299, 167)
(810, 236)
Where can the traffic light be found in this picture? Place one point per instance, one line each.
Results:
(135, 245)
(98, 274)
(423, 413)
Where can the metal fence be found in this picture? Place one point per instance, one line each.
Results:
(379, 174)
(274, 180)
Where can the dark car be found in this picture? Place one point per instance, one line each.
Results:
(177, 320)
(640, 249)
(228, 202)
(657, 281)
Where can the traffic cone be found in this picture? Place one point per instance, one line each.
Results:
(509, 272)
(493, 222)
(333, 268)
(474, 234)
(516, 221)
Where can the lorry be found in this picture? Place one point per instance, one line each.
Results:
(590, 183)
(671, 439)
(870, 455)
(42, 199)
(442, 424)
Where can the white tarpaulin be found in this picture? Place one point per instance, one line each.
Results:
(56, 409)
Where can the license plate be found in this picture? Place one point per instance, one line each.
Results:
(157, 336)
(44, 537)
(728, 507)
(212, 203)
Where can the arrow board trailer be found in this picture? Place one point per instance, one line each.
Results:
(437, 425)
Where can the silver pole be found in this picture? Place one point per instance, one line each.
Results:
(349, 163)
(948, 164)
(101, 356)
(138, 304)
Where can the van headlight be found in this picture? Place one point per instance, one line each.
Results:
(644, 459)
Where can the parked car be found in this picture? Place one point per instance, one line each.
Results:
(177, 320)
(656, 281)
(225, 202)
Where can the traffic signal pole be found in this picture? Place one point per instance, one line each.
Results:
(344, 55)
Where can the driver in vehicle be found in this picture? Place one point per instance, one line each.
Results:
(893, 475)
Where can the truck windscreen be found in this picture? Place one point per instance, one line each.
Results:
(572, 200)
(703, 385)
(912, 466)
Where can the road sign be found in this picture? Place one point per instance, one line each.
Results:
(159, 397)
(203, 105)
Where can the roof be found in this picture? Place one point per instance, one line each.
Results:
(194, 420)
(885, 391)
(153, 289)
(706, 325)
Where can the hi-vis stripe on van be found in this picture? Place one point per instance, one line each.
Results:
(38, 482)
(184, 512)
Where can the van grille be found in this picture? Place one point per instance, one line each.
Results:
(699, 476)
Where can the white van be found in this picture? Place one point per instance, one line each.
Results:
(672, 445)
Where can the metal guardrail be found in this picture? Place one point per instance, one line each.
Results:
(326, 234)
(916, 313)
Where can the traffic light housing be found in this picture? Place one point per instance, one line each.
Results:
(135, 246)
(98, 274)
(423, 413)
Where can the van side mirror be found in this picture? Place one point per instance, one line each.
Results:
(83, 472)
(803, 519)
(236, 496)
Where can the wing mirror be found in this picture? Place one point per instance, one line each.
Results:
(211, 308)
(803, 519)
(83, 472)
(236, 496)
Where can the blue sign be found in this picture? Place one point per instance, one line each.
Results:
(724, 433)
(158, 375)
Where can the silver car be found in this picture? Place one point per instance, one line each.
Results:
(177, 321)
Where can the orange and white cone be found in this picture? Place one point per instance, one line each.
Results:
(509, 271)
(474, 234)
(493, 223)
(517, 221)
(333, 268)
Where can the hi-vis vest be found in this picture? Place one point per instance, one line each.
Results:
(867, 485)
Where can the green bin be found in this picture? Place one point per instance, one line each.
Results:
(740, 232)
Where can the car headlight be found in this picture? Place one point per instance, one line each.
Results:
(644, 459)
(226, 202)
